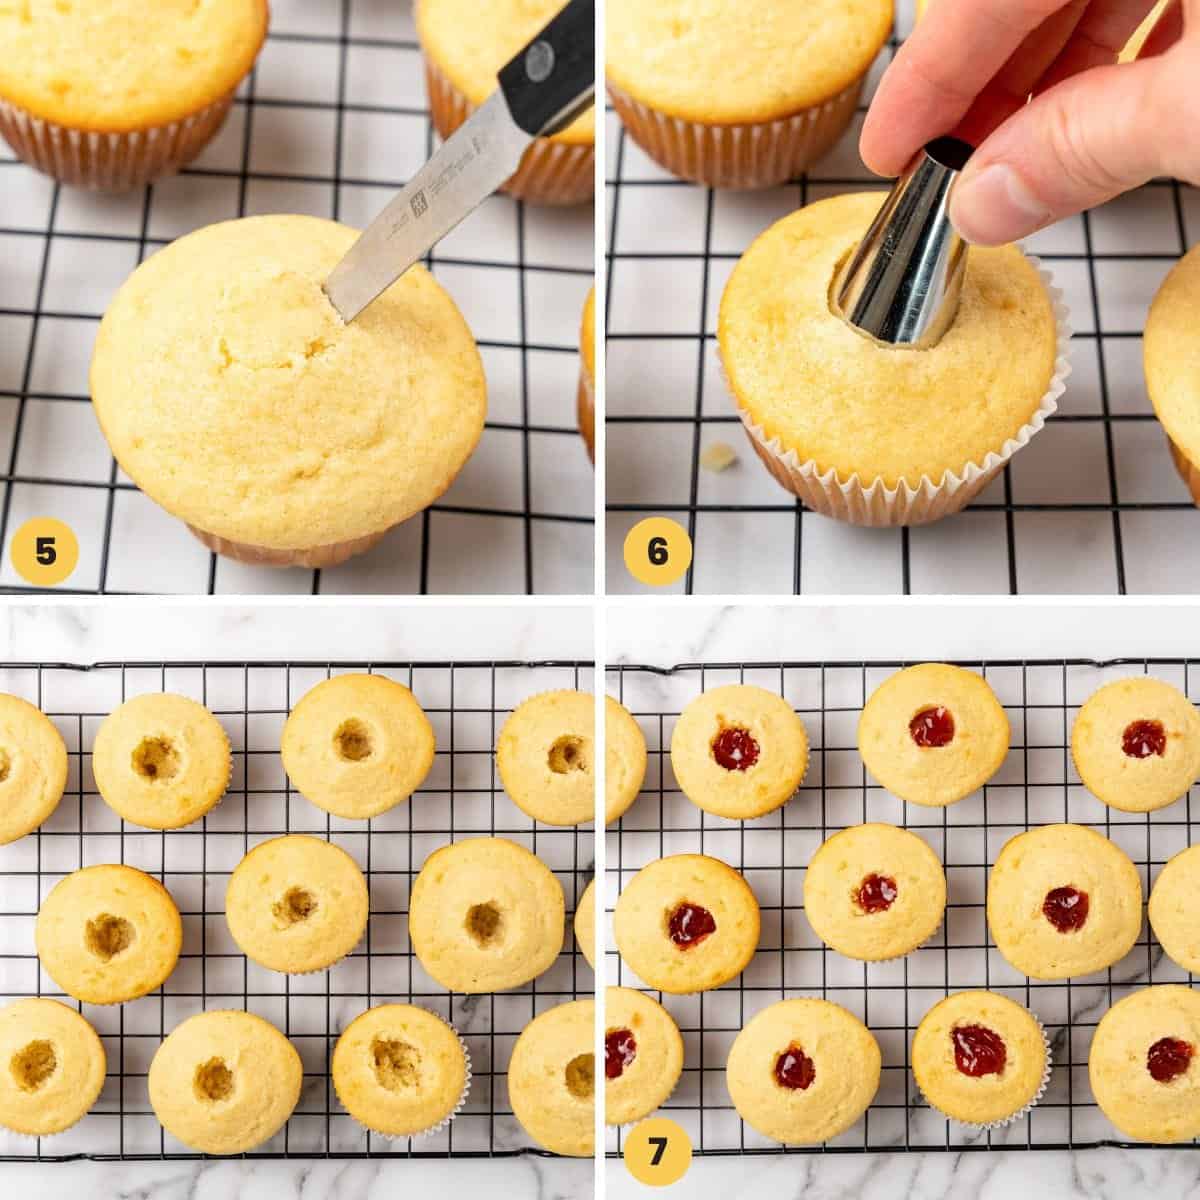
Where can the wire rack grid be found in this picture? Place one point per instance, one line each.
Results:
(466, 703)
(331, 122)
(1036, 785)
(1092, 505)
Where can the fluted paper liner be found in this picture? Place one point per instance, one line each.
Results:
(330, 555)
(877, 504)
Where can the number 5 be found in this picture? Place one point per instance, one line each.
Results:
(46, 554)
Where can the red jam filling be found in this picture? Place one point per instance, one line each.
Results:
(932, 727)
(1168, 1058)
(876, 893)
(978, 1051)
(1066, 909)
(690, 924)
(735, 749)
(1144, 738)
(620, 1049)
(794, 1069)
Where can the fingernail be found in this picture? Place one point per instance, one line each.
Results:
(995, 206)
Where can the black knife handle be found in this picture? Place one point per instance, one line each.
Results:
(553, 79)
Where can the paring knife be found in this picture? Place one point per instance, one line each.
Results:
(542, 90)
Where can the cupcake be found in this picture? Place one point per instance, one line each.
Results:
(485, 915)
(545, 755)
(108, 934)
(552, 1079)
(740, 93)
(585, 924)
(161, 761)
(879, 435)
(686, 923)
(586, 401)
(739, 751)
(225, 1082)
(1136, 744)
(1063, 901)
(400, 1071)
(466, 44)
(1172, 909)
(932, 734)
(357, 745)
(33, 768)
(803, 1071)
(56, 1067)
(1143, 1066)
(624, 760)
(643, 1055)
(874, 892)
(234, 395)
(980, 1058)
(297, 904)
(111, 94)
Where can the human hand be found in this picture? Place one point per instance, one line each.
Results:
(1094, 128)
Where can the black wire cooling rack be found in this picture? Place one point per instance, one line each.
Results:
(1092, 505)
(1036, 785)
(331, 122)
(467, 703)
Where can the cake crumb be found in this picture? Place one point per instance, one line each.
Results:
(719, 456)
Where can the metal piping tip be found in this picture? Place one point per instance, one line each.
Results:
(902, 285)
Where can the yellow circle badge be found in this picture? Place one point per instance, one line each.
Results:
(658, 1152)
(657, 551)
(44, 551)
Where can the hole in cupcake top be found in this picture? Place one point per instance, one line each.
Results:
(1141, 739)
(689, 924)
(581, 1076)
(1169, 1058)
(485, 924)
(396, 1064)
(213, 1081)
(156, 759)
(5, 764)
(568, 754)
(620, 1049)
(876, 893)
(735, 748)
(107, 936)
(794, 1069)
(33, 1065)
(932, 727)
(978, 1050)
(353, 740)
(295, 905)
(1066, 908)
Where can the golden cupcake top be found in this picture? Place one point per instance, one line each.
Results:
(803, 1071)
(979, 1057)
(624, 759)
(120, 65)
(1063, 900)
(585, 923)
(1136, 744)
(723, 62)
(835, 398)
(1143, 1064)
(357, 745)
(297, 904)
(161, 760)
(552, 1079)
(225, 1082)
(234, 395)
(1173, 912)
(54, 1066)
(108, 934)
(739, 751)
(471, 42)
(643, 1055)
(874, 892)
(33, 768)
(1172, 356)
(587, 332)
(400, 1070)
(933, 733)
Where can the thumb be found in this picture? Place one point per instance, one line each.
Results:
(1084, 141)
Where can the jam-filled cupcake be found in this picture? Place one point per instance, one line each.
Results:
(1062, 901)
(643, 1055)
(981, 1058)
(1136, 744)
(803, 1071)
(874, 892)
(1144, 1065)
(33, 768)
(1173, 911)
(932, 734)
(686, 923)
(739, 751)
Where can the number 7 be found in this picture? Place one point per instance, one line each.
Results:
(660, 1148)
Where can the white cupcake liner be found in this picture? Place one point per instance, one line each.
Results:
(876, 504)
